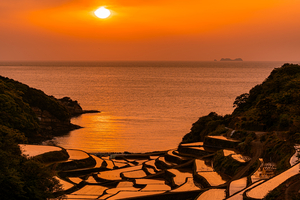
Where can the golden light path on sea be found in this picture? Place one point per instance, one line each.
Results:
(107, 140)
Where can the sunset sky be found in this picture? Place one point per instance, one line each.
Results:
(68, 30)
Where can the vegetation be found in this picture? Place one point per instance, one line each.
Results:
(273, 107)
(53, 156)
(14, 112)
(279, 192)
(75, 164)
(204, 126)
(226, 164)
(37, 98)
(278, 151)
(246, 138)
(17, 101)
(20, 177)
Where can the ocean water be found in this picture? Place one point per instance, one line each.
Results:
(145, 106)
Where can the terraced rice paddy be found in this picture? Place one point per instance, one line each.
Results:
(34, 150)
(130, 194)
(77, 154)
(215, 194)
(109, 163)
(262, 190)
(239, 196)
(172, 155)
(201, 166)
(194, 144)
(213, 178)
(153, 187)
(91, 190)
(234, 155)
(239, 157)
(161, 174)
(237, 185)
(189, 185)
(91, 180)
(99, 161)
(114, 175)
(117, 164)
(228, 152)
(178, 177)
(75, 180)
(223, 138)
(162, 163)
(134, 174)
(65, 185)
(150, 182)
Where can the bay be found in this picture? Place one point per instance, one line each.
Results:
(145, 106)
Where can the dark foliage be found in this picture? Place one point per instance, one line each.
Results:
(22, 178)
(14, 112)
(203, 127)
(37, 98)
(277, 150)
(273, 106)
(226, 164)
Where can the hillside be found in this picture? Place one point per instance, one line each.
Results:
(271, 110)
(34, 113)
(29, 115)
(273, 105)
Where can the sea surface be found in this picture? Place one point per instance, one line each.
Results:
(145, 106)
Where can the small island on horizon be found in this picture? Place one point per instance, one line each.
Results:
(229, 59)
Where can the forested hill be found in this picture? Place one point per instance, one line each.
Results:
(272, 108)
(28, 114)
(273, 105)
(22, 178)
(32, 112)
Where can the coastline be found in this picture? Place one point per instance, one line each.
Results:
(244, 133)
(167, 115)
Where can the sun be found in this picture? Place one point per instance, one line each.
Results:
(102, 13)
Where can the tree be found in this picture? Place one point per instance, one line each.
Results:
(22, 178)
(241, 100)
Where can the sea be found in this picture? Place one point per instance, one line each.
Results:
(145, 106)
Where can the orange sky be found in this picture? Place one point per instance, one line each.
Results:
(54, 30)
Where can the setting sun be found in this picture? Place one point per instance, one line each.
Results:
(102, 13)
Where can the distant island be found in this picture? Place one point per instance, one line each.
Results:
(229, 59)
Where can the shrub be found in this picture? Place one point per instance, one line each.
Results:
(22, 178)
(226, 164)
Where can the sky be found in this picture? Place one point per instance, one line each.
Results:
(149, 30)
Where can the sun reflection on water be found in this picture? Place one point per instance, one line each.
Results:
(101, 133)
